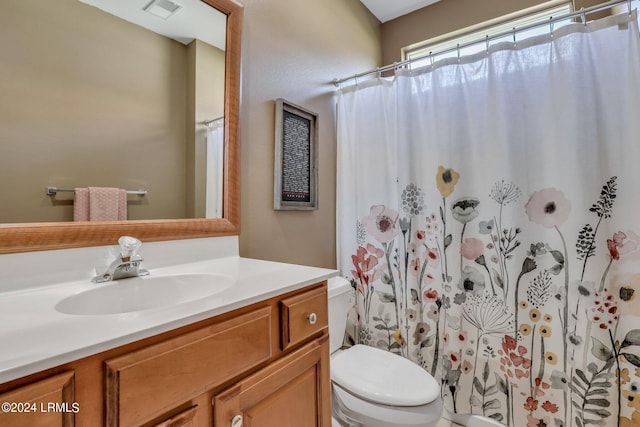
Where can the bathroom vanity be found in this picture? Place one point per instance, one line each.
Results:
(253, 351)
(254, 354)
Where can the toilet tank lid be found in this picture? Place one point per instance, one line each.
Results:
(382, 377)
(337, 285)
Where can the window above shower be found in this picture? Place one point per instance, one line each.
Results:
(471, 40)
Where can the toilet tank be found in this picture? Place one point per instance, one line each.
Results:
(339, 294)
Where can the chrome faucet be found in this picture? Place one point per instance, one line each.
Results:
(127, 264)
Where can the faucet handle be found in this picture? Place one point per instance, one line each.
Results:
(128, 247)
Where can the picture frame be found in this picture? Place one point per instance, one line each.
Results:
(296, 158)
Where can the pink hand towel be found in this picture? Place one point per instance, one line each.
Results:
(81, 204)
(107, 204)
(100, 204)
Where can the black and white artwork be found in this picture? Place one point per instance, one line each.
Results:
(295, 177)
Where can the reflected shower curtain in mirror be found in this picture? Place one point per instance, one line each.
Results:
(489, 221)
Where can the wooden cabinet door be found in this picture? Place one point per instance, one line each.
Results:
(45, 403)
(292, 392)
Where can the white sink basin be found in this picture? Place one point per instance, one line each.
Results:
(143, 293)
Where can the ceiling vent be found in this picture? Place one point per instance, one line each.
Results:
(164, 9)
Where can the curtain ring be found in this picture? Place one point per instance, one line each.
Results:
(355, 77)
(458, 49)
(514, 37)
(551, 26)
(379, 72)
(431, 57)
(583, 16)
(486, 40)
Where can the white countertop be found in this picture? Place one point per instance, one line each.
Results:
(35, 336)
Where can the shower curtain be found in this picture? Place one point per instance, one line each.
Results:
(489, 222)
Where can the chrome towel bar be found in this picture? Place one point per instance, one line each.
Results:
(52, 191)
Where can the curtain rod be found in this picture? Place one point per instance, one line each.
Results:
(581, 13)
(211, 122)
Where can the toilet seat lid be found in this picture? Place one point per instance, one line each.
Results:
(383, 377)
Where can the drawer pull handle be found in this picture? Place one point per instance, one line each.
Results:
(313, 318)
(236, 421)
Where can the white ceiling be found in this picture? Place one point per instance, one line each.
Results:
(386, 10)
(196, 20)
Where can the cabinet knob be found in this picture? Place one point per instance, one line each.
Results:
(313, 318)
(236, 421)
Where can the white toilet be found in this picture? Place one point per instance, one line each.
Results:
(372, 387)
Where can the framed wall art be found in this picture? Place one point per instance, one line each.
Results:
(296, 158)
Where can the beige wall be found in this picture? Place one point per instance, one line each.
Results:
(292, 50)
(447, 16)
(88, 99)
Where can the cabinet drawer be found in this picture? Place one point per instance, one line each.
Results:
(50, 402)
(183, 419)
(303, 315)
(146, 383)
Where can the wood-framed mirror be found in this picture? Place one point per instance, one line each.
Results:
(38, 236)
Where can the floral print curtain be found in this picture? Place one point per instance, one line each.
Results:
(489, 222)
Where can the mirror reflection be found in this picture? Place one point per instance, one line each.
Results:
(92, 100)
